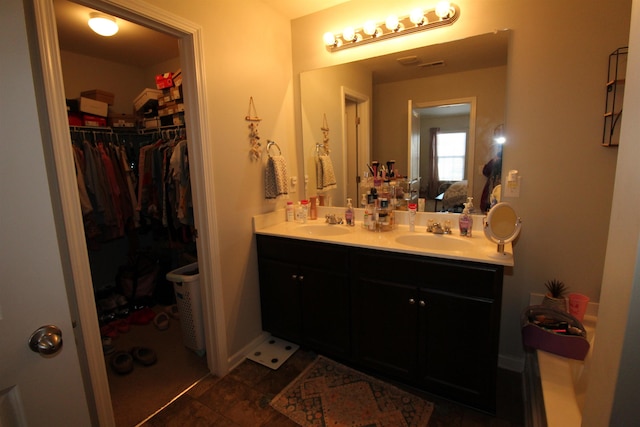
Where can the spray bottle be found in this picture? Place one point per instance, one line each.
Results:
(349, 214)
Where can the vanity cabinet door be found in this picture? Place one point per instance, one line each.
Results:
(304, 293)
(457, 354)
(280, 299)
(385, 327)
(325, 311)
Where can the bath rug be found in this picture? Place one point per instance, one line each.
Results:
(330, 394)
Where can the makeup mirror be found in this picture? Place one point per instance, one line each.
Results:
(502, 225)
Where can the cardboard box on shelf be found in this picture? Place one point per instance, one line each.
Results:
(93, 107)
(152, 123)
(99, 95)
(122, 120)
(177, 77)
(164, 99)
(147, 96)
(178, 119)
(164, 80)
(94, 121)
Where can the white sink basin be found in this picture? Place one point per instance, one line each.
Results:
(435, 242)
(323, 230)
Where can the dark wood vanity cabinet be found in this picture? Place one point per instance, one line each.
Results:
(304, 293)
(433, 323)
(429, 322)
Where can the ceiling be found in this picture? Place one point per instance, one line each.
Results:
(140, 46)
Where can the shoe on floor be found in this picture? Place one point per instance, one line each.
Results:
(161, 321)
(122, 362)
(144, 355)
(142, 316)
(172, 310)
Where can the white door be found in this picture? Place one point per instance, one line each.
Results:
(35, 390)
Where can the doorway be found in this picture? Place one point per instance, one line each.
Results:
(82, 299)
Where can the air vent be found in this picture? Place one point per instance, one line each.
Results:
(407, 60)
(433, 64)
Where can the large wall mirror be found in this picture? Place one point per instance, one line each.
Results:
(396, 107)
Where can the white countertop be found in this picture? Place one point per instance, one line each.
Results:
(449, 246)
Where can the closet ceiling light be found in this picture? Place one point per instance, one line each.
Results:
(103, 24)
(445, 13)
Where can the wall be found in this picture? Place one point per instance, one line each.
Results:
(104, 75)
(322, 97)
(488, 85)
(256, 64)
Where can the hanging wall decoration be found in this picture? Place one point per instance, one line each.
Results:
(254, 136)
(325, 134)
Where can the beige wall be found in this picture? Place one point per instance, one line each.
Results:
(555, 96)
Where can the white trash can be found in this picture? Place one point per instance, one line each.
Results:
(186, 285)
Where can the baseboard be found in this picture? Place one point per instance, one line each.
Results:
(237, 358)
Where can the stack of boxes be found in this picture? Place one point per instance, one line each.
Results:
(153, 108)
(170, 104)
(92, 109)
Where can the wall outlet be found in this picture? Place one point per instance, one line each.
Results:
(294, 184)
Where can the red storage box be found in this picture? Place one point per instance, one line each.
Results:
(95, 121)
(164, 81)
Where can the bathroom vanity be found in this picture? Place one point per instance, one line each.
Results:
(427, 317)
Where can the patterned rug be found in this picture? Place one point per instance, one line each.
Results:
(330, 394)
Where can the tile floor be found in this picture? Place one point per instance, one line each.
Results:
(242, 399)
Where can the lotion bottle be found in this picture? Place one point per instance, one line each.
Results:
(465, 222)
(289, 210)
(349, 213)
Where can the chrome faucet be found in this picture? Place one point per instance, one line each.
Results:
(436, 228)
(333, 219)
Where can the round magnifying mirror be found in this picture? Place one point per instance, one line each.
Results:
(502, 225)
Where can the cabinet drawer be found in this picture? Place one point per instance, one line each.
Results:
(468, 278)
(310, 254)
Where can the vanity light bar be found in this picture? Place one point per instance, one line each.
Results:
(443, 14)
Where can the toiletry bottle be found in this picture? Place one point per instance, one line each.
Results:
(465, 222)
(349, 214)
(289, 211)
(412, 216)
(313, 210)
(305, 210)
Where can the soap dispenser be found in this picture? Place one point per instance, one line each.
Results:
(349, 214)
(465, 222)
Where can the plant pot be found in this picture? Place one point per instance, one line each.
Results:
(559, 303)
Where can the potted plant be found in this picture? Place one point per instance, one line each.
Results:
(555, 296)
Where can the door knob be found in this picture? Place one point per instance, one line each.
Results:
(46, 340)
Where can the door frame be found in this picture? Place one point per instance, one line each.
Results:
(64, 191)
(363, 143)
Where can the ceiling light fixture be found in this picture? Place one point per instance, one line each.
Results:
(445, 13)
(103, 24)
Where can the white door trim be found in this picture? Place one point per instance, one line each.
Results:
(69, 216)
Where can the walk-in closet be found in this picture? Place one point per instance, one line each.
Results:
(132, 167)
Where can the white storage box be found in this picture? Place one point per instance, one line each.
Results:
(91, 106)
(146, 96)
(186, 285)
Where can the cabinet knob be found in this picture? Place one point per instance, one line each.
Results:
(412, 301)
(294, 277)
(301, 277)
(422, 303)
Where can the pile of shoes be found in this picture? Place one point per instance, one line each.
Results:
(122, 362)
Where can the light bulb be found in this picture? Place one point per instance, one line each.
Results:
(392, 23)
(417, 16)
(103, 24)
(370, 28)
(349, 34)
(443, 9)
(329, 39)
(500, 140)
